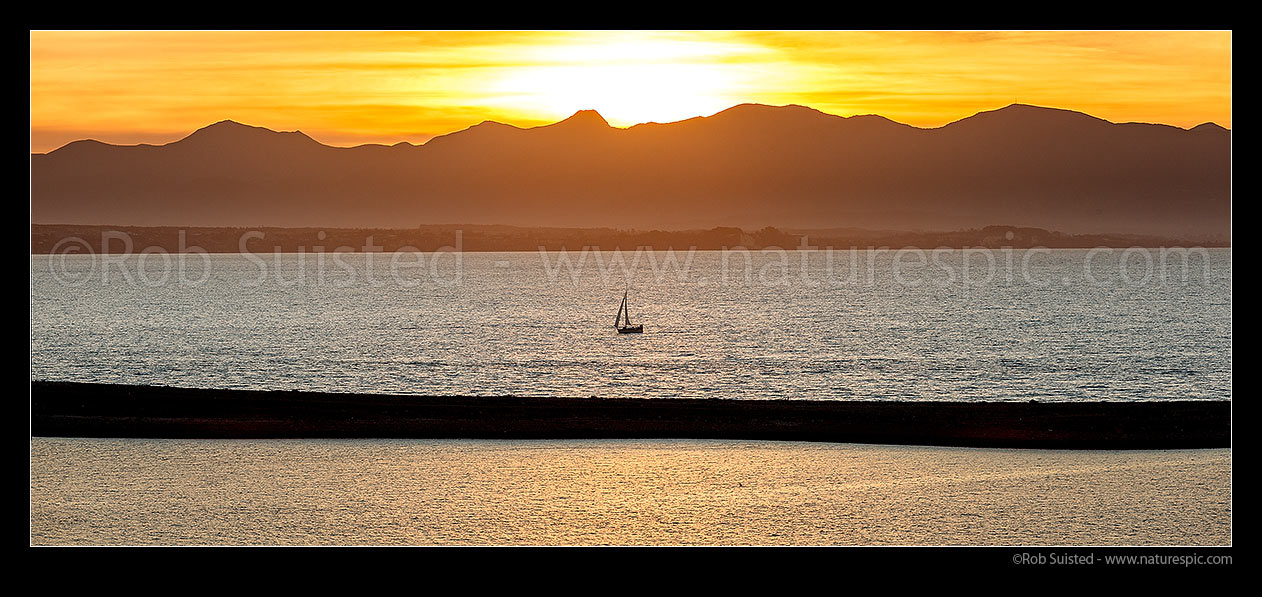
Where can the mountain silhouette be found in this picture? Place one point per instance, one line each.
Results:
(750, 165)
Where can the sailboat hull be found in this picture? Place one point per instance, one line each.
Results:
(639, 329)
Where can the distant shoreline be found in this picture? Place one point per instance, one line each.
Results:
(67, 409)
(104, 239)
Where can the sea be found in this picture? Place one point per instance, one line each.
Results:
(823, 324)
(1050, 325)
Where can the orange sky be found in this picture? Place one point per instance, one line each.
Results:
(347, 88)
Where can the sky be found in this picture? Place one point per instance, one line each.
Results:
(347, 88)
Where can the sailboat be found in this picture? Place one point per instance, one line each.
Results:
(624, 314)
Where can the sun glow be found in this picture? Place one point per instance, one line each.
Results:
(352, 87)
(624, 94)
(631, 80)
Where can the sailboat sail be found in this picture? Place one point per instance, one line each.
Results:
(624, 314)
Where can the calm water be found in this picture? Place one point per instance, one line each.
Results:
(617, 492)
(1002, 325)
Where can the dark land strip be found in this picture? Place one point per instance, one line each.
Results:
(64, 409)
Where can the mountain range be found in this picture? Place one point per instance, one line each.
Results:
(751, 165)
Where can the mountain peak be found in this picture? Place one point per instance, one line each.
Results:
(1026, 115)
(229, 131)
(491, 124)
(229, 127)
(482, 130)
(587, 118)
(1209, 127)
(769, 109)
(228, 124)
(1031, 110)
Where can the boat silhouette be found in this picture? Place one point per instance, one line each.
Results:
(624, 315)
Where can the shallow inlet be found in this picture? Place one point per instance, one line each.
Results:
(617, 492)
